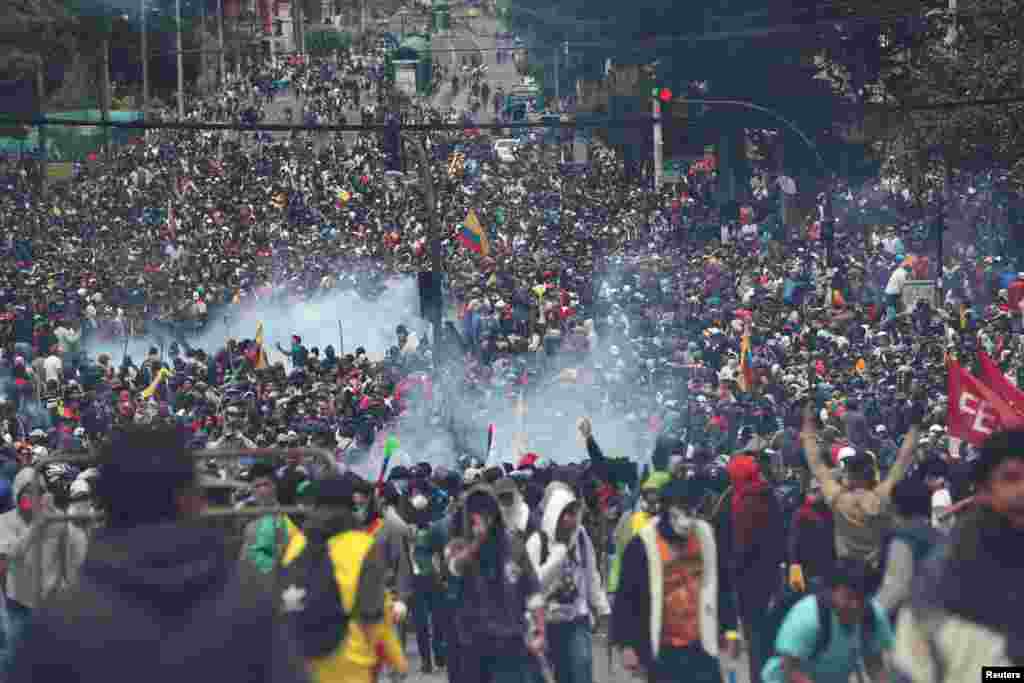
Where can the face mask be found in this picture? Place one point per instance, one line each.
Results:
(680, 520)
(359, 514)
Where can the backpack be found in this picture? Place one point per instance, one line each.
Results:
(311, 601)
(780, 607)
(533, 525)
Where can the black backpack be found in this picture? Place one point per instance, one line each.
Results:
(779, 608)
(311, 600)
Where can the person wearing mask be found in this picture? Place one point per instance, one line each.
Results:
(21, 531)
(965, 606)
(669, 614)
(860, 507)
(159, 585)
(429, 610)
(631, 523)
(751, 537)
(265, 538)
(500, 621)
(564, 558)
(851, 644)
(338, 519)
(514, 510)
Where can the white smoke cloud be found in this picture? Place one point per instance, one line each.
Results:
(370, 324)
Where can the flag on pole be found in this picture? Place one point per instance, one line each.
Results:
(390, 448)
(992, 376)
(473, 236)
(492, 445)
(261, 353)
(155, 384)
(975, 411)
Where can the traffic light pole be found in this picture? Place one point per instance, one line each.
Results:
(657, 144)
(434, 223)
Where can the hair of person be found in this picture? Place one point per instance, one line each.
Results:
(998, 448)
(911, 498)
(143, 472)
(850, 573)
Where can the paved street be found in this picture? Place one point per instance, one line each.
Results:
(601, 670)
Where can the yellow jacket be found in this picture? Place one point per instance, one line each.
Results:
(624, 533)
(365, 645)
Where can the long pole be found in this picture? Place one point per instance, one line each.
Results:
(558, 88)
(436, 262)
(220, 43)
(144, 49)
(657, 144)
(106, 90)
(44, 155)
(181, 62)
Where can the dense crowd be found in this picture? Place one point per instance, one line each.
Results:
(761, 386)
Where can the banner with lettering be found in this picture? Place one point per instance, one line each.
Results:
(975, 411)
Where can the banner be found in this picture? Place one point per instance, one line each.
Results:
(992, 376)
(975, 411)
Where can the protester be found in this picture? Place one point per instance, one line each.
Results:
(369, 639)
(566, 564)
(158, 586)
(964, 610)
(672, 618)
(499, 587)
(852, 643)
(21, 531)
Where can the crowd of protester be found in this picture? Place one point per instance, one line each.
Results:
(786, 415)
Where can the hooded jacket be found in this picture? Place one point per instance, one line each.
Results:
(161, 603)
(64, 548)
(557, 498)
(500, 585)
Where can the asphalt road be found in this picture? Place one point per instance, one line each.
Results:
(602, 673)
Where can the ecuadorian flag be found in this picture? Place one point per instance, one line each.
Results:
(473, 236)
(746, 378)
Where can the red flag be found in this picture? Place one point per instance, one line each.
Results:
(975, 411)
(997, 382)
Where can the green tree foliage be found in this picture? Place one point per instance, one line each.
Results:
(324, 43)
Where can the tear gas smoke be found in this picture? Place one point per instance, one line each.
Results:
(370, 324)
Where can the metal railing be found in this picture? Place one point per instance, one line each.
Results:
(252, 512)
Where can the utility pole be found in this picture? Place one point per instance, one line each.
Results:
(181, 62)
(436, 261)
(144, 49)
(105, 95)
(557, 83)
(220, 43)
(657, 144)
(44, 155)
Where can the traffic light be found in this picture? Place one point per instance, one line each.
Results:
(663, 94)
(393, 145)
